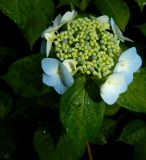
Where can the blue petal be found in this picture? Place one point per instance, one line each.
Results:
(129, 77)
(66, 76)
(50, 80)
(43, 46)
(50, 66)
(59, 87)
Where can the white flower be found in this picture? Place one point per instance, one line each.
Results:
(113, 87)
(118, 32)
(56, 75)
(49, 33)
(129, 63)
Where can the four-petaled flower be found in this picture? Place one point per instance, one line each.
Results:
(129, 63)
(56, 75)
(49, 33)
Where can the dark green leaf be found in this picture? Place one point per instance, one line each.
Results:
(143, 28)
(111, 110)
(68, 2)
(134, 132)
(105, 133)
(116, 9)
(79, 114)
(32, 16)
(134, 98)
(5, 104)
(44, 145)
(65, 149)
(141, 3)
(25, 76)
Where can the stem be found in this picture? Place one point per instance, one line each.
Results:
(89, 151)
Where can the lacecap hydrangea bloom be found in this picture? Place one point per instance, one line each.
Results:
(91, 47)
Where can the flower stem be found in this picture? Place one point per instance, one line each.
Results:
(89, 151)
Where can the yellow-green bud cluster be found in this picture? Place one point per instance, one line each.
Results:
(89, 43)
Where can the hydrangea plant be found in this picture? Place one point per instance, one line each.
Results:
(89, 46)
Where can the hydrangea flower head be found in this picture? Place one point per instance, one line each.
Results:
(90, 46)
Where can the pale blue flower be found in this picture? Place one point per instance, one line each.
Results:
(118, 32)
(56, 75)
(129, 63)
(49, 33)
(113, 87)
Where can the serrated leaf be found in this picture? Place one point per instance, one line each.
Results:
(143, 28)
(116, 9)
(25, 76)
(31, 16)
(134, 98)
(65, 148)
(79, 114)
(141, 3)
(134, 132)
(5, 103)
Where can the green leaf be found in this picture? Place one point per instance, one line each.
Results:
(134, 132)
(68, 2)
(116, 9)
(134, 98)
(141, 3)
(25, 77)
(32, 16)
(111, 110)
(5, 104)
(105, 133)
(44, 145)
(79, 114)
(143, 28)
(65, 148)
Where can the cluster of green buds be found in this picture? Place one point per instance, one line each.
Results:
(89, 42)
